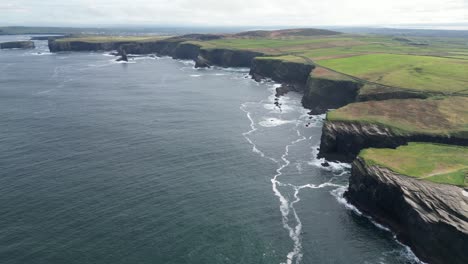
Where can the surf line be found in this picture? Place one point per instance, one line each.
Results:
(288, 212)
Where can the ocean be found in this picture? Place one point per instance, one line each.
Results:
(154, 161)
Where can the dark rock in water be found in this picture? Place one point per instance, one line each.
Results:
(286, 88)
(325, 164)
(201, 62)
(123, 55)
(17, 45)
(257, 77)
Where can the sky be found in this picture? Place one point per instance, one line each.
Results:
(232, 13)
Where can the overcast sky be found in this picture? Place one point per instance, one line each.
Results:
(232, 13)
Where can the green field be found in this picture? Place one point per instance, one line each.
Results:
(434, 65)
(447, 116)
(432, 162)
(426, 73)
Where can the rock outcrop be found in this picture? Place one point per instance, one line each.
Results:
(17, 45)
(56, 45)
(431, 218)
(342, 141)
(123, 55)
(293, 73)
(324, 93)
(228, 58)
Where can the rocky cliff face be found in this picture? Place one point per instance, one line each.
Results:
(228, 58)
(280, 71)
(431, 218)
(58, 46)
(17, 45)
(322, 94)
(343, 140)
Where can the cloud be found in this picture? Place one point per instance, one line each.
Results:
(239, 12)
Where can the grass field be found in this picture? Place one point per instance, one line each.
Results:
(423, 73)
(433, 162)
(436, 116)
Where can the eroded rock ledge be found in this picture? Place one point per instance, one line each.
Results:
(343, 141)
(431, 218)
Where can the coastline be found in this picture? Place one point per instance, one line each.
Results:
(285, 74)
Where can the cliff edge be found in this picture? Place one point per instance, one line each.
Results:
(431, 218)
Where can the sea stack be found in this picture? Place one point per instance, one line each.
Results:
(123, 55)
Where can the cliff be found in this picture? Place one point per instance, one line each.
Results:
(293, 73)
(431, 218)
(391, 123)
(57, 45)
(328, 90)
(228, 57)
(17, 45)
(342, 141)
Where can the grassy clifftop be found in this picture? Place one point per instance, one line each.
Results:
(424, 73)
(433, 162)
(422, 65)
(446, 116)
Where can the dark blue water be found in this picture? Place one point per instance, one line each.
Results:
(156, 162)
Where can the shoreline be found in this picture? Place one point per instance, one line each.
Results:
(284, 74)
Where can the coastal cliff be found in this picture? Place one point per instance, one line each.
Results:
(392, 123)
(292, 73)
(342, 141)
(17, 45)
(55, 45)
(328, 90)
(431, 218)
(227, 57)
(320, 93)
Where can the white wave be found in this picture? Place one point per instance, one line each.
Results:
(229, 69)
(290, 219)
(253, 129)
(195, 75)
(273, 122)
(338, 193)
(109, 54)
(45, 53)
(122, 62)
(187, 62)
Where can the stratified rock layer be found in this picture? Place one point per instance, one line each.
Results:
(431, 218)
(343, 141)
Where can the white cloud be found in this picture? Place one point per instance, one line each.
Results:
(238, 12)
